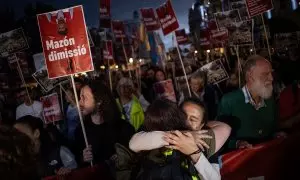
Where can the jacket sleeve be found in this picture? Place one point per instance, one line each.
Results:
(67, 158)
(143, 141)
(206, 170)
(144, 102)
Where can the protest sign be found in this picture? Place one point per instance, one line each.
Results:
(205, 39)
(219, 38)
(104, 8)
(118, 30)
(165, 89)
(215, 72)
(182, 85)
(167, 18)
(108, 54)
(149, 19)
(51, 108)
(227, 18)
(241, 6)
(12, 41)
(41, 77)
(13, 64)
(256, 7)
(39, 61)
(241, 33)
(65, 42)
(181, 37)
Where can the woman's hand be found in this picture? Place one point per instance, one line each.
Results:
(199, 136)
(88, 154)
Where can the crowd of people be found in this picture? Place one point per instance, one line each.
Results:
(137, 134)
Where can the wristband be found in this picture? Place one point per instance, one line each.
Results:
(196, 152)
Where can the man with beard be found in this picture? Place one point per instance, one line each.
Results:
(251, 110)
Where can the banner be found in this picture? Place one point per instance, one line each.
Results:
(167, 18)
(104, 8)
(241, 6)
(241, 33)
(22, 58)
(108, 54)
(41, 77)
(216, 72)
(65, 42)
(51, 108)
(181, 37)
(149, 19)
(12, 41)
(118, 30)
(39, 61)
(205, 39)
(256, 7)
(227, 18)
(165, 89)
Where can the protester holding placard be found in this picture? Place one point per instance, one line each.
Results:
(251, 111)
(52, 158)
(28, 106)
(104, 125)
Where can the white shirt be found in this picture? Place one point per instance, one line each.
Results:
(35, 110)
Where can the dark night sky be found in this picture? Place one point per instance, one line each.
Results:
(121, 9)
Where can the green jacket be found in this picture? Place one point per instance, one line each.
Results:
(136, 113)
(247, 123)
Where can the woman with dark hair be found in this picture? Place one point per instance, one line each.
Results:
(196, 120)
(103, 124)
(159, 75)
(17, 160)
(53, 159)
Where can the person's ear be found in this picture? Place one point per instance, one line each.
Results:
(36, 134)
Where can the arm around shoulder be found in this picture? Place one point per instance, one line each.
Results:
(144, 141)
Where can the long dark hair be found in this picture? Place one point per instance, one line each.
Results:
(105, 103)
(164, 115)
(46, 143)
(197, 102)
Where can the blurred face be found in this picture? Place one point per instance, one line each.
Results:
(126, 91)
(196, 85)
(195, 116)
(261, 79)
(62, 27)
(22, 96)
(150, 74)
(87, 101)
(159, 76)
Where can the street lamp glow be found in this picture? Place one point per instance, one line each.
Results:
(140, 60)
(251, 50)
(208, 51)
(196, 52)
(130, 60)
(117, 67)
(102, 67)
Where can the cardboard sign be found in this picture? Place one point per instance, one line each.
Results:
(108, 54)
(256, 7)
(219, 38)
(118, 30)
(227, 18)
(216, 72)
(167, 18)
(65, 42)
(242, 8)
(149, 19)
(104, 8)
(12, 41)
(51, 108)
(205, 40)
(181, 37)
(41, 77)
(22, 58)
(241, 33)
(165, 89)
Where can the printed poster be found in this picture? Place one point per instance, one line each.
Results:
(165, 89)
(241, 6)
(227, 18)
(118, 30)
(216, 72)
(257, 7)
(150, 20)
(167, 18)
(39, 61)
(51, 108)
(241, 33)
(12, 41)
(105, 13)
(181, 37)
(108, 54)
(13, 65)
(182, 86)
(65, 42)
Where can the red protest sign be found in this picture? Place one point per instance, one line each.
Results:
(167, 18)
(65, 42)
(149, 19)
(118, 29)
(181, 37)
(108, 55)
(104, 8)
(51, 108)
(219, 37)
(205, 39)
(256, 7)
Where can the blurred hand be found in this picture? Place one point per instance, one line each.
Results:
(199, 136)
(243, 145)
(88, 154)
